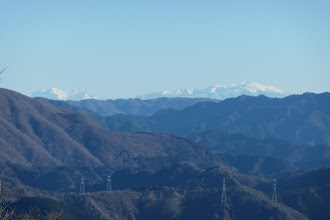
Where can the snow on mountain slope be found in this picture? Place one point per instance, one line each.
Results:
(222, 92)
(212, 92)
(58, 94)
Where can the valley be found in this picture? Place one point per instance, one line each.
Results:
(48, 146)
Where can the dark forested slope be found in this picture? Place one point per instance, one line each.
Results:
(301, 118)
(35, 133)
(132, 106)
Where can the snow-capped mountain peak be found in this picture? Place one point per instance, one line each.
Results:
(62, 95)
(58, 94)
(222, 92)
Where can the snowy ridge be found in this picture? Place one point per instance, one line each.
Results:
(221, 92)
(58, 94)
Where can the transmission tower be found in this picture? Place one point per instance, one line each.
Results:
(0, 187)
(109, 187)
(82, 186)
(223, 196)
(274, 194)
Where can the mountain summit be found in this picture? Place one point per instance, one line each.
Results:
(58, 94)
(222, 92)
(212, 92)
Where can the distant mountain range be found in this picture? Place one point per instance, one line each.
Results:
(302, 155)
(222, 92)
(46, 149)
(35, 133)
(212, 92)
(301, 118)
(58, 94)
(128, 106)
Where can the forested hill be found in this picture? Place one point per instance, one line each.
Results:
(38, 134)
(302, 118)
(132, 106)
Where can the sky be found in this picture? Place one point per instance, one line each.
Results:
(121, 48)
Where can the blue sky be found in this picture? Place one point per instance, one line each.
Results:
(119, 48)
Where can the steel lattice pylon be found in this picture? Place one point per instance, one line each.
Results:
(82, 186)
(109, 187)
(274, 194)
(224, 195)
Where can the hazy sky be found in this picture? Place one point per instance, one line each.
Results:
(125, 48)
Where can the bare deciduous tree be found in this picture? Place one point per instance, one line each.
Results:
(5, 212)
(9, 213)
(2, 70)
(36, 214)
